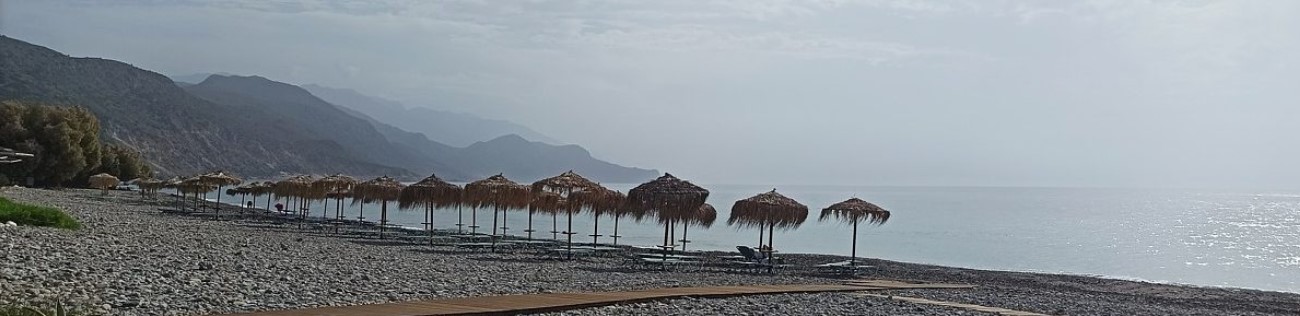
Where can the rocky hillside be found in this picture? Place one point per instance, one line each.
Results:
(176, 131)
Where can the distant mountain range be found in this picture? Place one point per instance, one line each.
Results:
(258, 127)
(456, 129)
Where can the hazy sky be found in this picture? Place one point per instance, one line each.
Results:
(981, 92)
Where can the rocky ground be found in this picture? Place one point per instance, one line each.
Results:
(131, 260)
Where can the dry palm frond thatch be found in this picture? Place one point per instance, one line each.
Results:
(769, 209)
(566, 182)
(103, 181)
(430, 191)
(497, 191)
(667, 198)
(855, 211)
(378, 189)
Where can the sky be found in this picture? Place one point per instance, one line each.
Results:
(874, 92)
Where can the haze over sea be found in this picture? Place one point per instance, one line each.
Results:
(1234, 238)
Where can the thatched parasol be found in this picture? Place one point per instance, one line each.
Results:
(598, 200)
(103, 181)
(242, 191)
(545, 201)
(299, 189)
(382, 190)
(337, 187)
(567, 184)
(218, 180)
(704, 216)
(430, 193)
(563, 184)
(262, 188)
(771, 210)
(196, 186)
(148, 186)
(856, 210)
(669, 198)
(499, 193)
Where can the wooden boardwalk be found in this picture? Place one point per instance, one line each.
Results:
(550, 302)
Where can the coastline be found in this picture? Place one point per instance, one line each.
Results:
(131, 260)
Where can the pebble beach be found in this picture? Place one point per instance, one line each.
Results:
(131, 259)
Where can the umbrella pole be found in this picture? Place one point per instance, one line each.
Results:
(770, 250)
(569, 232)
(338, 213)
(460, 220)
(505, 226)
(615, 236)
(429, 210)
(530, 224)
(218, 201)
(495, 209)
(595, 229)
(685, 226)
(473, 220)
(853, 254)
(383, 217)
(361, 214)
(760, 236)
(555, 227)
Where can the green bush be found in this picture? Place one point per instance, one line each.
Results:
(32, 215)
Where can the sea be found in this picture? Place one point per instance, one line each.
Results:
(1221, 238)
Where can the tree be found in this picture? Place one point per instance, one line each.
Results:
(66, 145)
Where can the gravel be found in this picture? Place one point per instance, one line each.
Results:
(131, 260)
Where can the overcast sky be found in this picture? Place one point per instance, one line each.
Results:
(982, 92)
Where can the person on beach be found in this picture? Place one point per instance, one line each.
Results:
(279, 207)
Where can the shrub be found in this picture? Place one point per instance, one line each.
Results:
(32, 215)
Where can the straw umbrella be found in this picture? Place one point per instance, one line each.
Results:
(219, 179)
(103, 181)
(598, 200)
(856, 210)
(429, 193)
(242, 191)
(704, 217)
(298, 189)
(260, 189)
(381, 189)
(668, 198)
(769, 210)
(335, 186)
(148, 186)
(565, 184)
(196, 186)
(175, 184)
(547, 202)
(499, 193)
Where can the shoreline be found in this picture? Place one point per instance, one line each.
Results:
(228, 204)
(121, 263)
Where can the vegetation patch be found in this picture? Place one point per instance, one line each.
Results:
(33, 215)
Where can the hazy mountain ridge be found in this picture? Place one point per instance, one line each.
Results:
(452, 128)
(175, 131)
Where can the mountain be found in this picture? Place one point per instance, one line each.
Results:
(257, 127)
(177, 132)
(456, 129)
(511, 155)
(292, 106)
(523, 159)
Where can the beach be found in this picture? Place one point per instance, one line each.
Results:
(130, 259)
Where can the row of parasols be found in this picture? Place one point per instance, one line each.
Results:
(667, 200)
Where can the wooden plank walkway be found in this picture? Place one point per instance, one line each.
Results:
(550, 302)
(980, 308)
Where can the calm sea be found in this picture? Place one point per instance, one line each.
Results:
(1203, 237)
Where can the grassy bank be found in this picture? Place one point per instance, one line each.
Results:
(33, 215)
